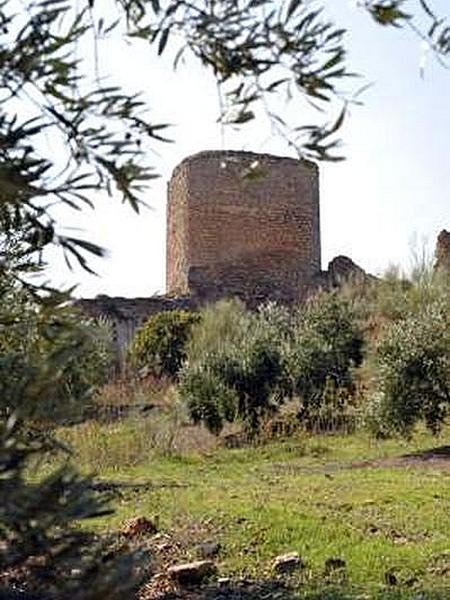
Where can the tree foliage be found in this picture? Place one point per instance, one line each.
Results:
(242, 365)
(325, 347)
(159, 345)
(410, 359)
(235, 376)
(101, 135)
(35, 334)
(48, 362)
(413, 374)
(41, 541)
(432, 28)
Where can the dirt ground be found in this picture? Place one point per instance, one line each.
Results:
(435, 458)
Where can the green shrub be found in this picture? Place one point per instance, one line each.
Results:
(412, 372)
(220, 324)
(35, 334)
(160, 344)
(94, 364)
(397, 294)
(242, 365)
(326, 344)
(209, 399)
(237, 374)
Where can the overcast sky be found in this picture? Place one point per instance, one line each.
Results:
(393, 188)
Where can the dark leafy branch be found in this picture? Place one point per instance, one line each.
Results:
(41, 543)
(101, 131)
(254, 48)
(435, 31)
(260, 52)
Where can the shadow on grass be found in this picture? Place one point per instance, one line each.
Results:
(278, 590)
(440, 453)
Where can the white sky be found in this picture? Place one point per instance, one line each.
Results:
(394, 185)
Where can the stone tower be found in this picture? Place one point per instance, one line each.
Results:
(242, 224)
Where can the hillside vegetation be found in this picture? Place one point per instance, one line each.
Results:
(379, 507)
(239, 436)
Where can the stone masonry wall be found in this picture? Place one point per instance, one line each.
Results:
(126, 315)
(177, 235)
(243, 224)
(442, 253)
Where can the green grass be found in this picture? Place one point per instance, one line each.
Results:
(302, 495)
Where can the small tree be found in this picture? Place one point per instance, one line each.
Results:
(325, 346)
(40, 537)
(412, 372)
(221, 323)
(209, 399)
(34, 331)
(160, 344)
(238, 376)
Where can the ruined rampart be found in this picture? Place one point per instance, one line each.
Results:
(126, 315)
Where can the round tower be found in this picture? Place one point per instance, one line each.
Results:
(242, 224)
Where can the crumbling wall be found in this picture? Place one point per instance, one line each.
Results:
(126, 315)
(442, 253)
(242, 224)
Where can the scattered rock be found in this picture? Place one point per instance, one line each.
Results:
(139, 526)
(334, 564)
(286, 563)
(193, 572)
(442, 253)
(208, 549)
(390, 578)
(342, 269)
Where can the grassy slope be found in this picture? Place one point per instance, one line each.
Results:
(299, 496)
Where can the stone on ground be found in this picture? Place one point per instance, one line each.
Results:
(193, 572)
(285, 563)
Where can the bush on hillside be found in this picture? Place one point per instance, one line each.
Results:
(34, 334)
(208, 397)
(160, 343)
(94, 364)
(397, 294)
(242, 365)
(236, 375)
(326, 345)
(219, 324)
(412, 372)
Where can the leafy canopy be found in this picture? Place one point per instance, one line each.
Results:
(51, 88)
(159, 345)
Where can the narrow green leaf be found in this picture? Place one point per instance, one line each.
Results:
(163, 40)
(292, 7)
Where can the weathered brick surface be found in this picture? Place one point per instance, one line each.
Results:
(243, 224)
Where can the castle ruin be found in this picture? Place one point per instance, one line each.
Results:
(239, 224)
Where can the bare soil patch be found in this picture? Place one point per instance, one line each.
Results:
(434, 458)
